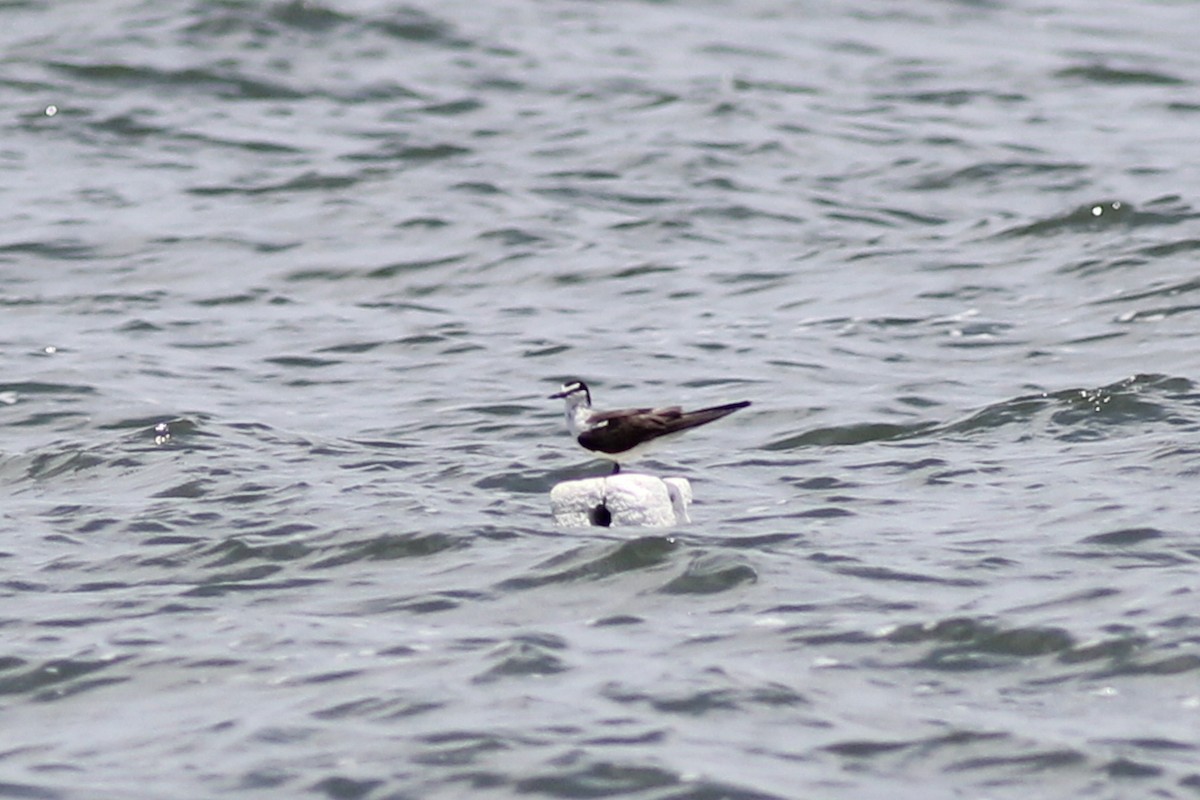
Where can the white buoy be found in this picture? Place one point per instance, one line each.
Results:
(625, 499)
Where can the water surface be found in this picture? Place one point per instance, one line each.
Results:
(344, 250)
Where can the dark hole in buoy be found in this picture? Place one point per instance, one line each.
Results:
(600, 516)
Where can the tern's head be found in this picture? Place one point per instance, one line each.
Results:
(575, 393)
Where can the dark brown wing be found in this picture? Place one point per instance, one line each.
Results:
(703, 416)
(618, 431)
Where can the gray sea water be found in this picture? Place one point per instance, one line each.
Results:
(344, 250)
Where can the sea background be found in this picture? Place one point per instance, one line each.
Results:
(345, 249)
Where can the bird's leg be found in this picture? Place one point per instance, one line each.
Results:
(616, 467)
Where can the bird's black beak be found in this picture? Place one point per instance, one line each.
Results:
(557, 396)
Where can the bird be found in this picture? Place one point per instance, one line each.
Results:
(625, 434)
